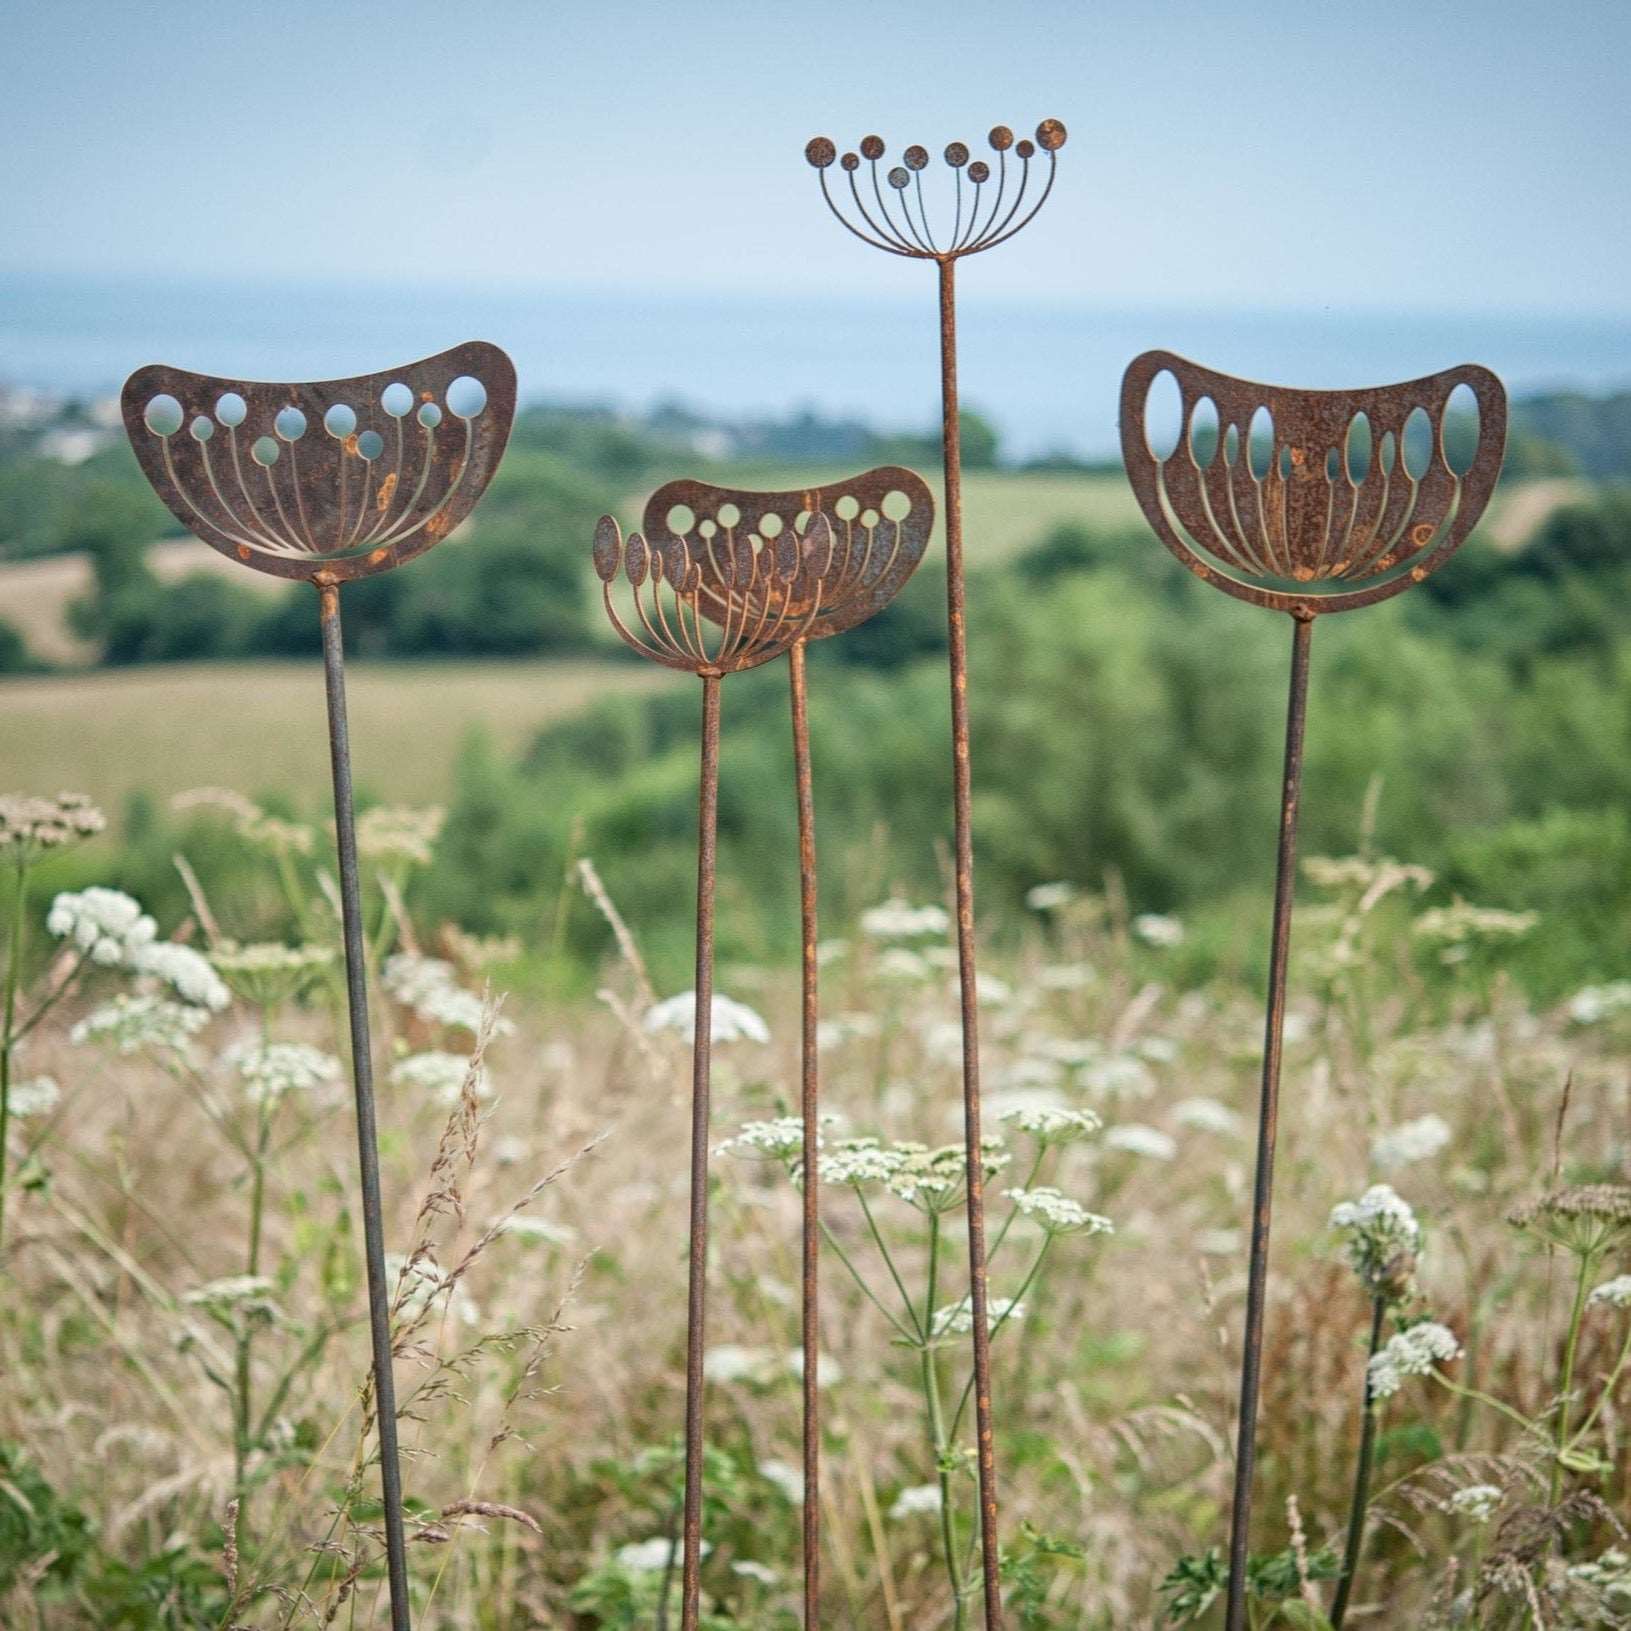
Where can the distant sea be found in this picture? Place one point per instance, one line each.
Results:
(1045, 372)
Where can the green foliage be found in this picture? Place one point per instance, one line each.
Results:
(1196, 1582)
(38, 1528)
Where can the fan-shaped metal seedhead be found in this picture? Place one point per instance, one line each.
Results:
(983, 215)
(341, 477)
(877, 530)
(765, 570)
(1306, 500)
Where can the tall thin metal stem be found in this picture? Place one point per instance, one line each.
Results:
(1268, 1118)
(963, 854)
(362, 1070)
(701, 1064)
(810, 1090)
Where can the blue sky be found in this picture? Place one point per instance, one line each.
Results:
(1427, 156)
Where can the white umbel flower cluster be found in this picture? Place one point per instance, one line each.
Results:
(187, 972)
(1050, 897)
(29, 826)
(779, 1140)
(1476, 1503)
(394, 836)
(38, 1096)
(430, 987)
(1134, 1138)
(1411, 1141)
(1615, 1293)
(270, 1070)
(130, 1024)
(1381, 1237)
(729, 1021)
(898, 919)
(957, 1319)
(1051, 1124)
(1057, 1213)
(438, 1075)
(918, 1500)
(1595, 1003)
(1157, 930)
(1411, 1353)
(107, 925)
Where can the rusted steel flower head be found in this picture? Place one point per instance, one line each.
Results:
(765, 570)
(1310, 501)
(985, 212)
(342, 478)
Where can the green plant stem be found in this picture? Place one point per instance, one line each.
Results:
(1358, 1509)
(999, 1322)
(866, 1290)
(243, 1436)
(7, 1024)
(1571, 1352)
(1607, 1393)
(937, 1430)
(889, 1263)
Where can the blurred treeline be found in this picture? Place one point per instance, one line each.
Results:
(1127, 732)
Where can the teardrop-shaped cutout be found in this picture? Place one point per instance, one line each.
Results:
(1357, 448)
(1260, 442)
(1163, 416)
(1387, 454)
(1231, 445)
(1416, 444)
(1203, 432)
(1460, 429)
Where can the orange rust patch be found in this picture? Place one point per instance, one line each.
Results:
(350, 445)
(1302, 573)
(387, 490)
(1422, 532)
(1298, 455)
(377, 556)
(243, 552)
(438, 524)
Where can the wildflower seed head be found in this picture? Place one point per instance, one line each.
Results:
(429, 987)
(781, 1139)
(1585, 1219)
(1413, 1352)
(29, 827)
(269, 973)
(1057, 1213)
(1382, 1239)
(957, 1319)
(395, 837)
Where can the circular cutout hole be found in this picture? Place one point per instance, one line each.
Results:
(202, 428)
(847, 508)
(1260, 442)
(265, 451)
(1203, 432)
(340, 420)
(1357, 448)
(231, 409)
(1163, 416)
(370, 444)
(162, 415)
(729, 515)
(770, 525)
(896, 505)
(680, 519)
(869, 519)
(290, 424)
(430, 416)
(1460, 432)
(1416, 444)
(466, 396)
(396, 399)
(706, 528)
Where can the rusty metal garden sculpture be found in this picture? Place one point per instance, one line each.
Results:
(986, 211)
(873, 531)
(725, 579)
(1305, 502)
(331, 481)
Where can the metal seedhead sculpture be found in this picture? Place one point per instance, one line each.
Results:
(722, 580)
(329, 481)
(864, 536)
(983, 214)
(1304, 502)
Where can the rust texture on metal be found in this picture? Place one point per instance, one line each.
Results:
(1286, 498)
(768, 572)
(982, 215)
(327, 481)
(340, 478)
(892, 213)
(1286, 503)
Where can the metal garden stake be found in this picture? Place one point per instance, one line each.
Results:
(331, 481)
(867, 535)
(986, 212)
(1305, 502)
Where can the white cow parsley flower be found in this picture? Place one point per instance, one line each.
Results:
(1411, 1353)
(130, 1024)
(957, 1319)
(1615, 1293)
(1206, 1115)
(1057, 1213)
(1382, 1238)
(729, 1021)
(1417, 1140)
(785, 1477)
(439, 1075)
(1596, 1003)
(1050, 897)
(270, 1070)
(107, 925)
(1154, 929)
(186, 971)
(1051, 1124)
(1476, 1502)
(1134, 1138)
(919, 1498)
(36, 1097)
(897, 919)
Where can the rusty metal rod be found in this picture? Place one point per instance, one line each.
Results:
(810, 1090)
(701, 1063)
(963, 866)
(1251, 1365)
(362, 1072)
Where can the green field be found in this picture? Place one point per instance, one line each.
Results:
(258, 727)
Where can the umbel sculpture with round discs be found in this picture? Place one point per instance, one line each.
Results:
(1304, 502)
(724, 579)
(330, 481)
(984, 210)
